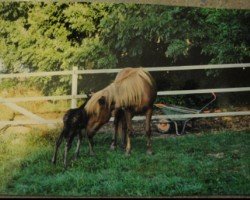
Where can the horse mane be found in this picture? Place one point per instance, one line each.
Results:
(130, 88)
(93, 106)
(126, 90)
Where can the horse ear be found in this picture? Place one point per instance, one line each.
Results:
(102, 101)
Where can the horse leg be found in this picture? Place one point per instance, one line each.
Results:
(124, 132)
(148, 130)
(129, 131)
(90, 141)
(58, 143)
(114, 137)
(91, 144)
(118, 127)
(78, 143)
(67, 148)
(122, 128)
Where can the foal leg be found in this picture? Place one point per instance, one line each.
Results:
(148, 130)
(67, 148)
(79, 133)
(58, 143)
(129, 131)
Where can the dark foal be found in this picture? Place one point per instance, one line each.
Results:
(74, 121)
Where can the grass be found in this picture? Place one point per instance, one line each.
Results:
(206, 164)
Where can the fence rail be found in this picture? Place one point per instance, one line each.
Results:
(106, 71)
(136, 118)
(74, 96)
(161, 93)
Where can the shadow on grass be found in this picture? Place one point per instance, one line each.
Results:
(211, 164)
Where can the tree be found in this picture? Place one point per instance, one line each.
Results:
(52, 36)
(57, 36)
(137, 32)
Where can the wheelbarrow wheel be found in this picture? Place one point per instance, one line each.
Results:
(163, 126)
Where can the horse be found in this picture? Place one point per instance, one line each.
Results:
(74, 121)
(132, 92)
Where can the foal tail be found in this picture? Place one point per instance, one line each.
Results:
(86, 101)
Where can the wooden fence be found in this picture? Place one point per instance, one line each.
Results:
(10, 102)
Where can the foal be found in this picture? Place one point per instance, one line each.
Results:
(74, 121)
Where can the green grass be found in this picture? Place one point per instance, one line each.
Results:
(206, 164)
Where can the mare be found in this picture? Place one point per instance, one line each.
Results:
(132, 92)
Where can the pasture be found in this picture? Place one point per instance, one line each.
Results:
(204, 164)
(64, 59)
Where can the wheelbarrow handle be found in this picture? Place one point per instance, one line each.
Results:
(214, 95)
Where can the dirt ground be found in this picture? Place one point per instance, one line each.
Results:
(197, 125)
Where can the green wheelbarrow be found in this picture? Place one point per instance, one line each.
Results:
(168, 109)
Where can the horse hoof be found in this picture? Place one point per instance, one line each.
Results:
(133, 134)
(75, 158)
(53, 161)
(112, 147)
(127, 154)
(149, 152)
(92, 153)
(65, 166)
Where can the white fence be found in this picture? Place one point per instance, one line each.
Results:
(10, 102)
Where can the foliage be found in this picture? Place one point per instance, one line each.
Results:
(39, 36)
(204, 165)
(141, 31)
(51, 37)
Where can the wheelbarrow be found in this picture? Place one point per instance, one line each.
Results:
(177, 110)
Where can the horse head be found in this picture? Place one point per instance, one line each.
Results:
(99, 109)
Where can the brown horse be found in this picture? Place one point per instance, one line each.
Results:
(132, 92)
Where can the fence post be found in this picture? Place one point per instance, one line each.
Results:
(74, 88)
